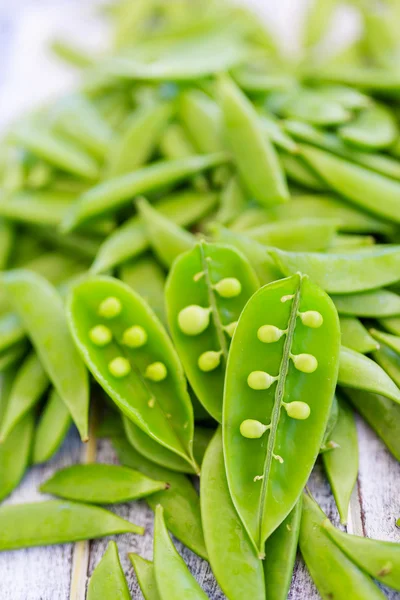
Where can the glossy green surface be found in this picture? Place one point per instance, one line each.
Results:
(144, 570)
(51, 429)
(308, 234)
(355, 336)
(390, 340)
(263, 503)
(192, 281)
(108, 579)
(375, 304)
(373, 128)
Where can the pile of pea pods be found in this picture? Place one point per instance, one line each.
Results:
(200, 260)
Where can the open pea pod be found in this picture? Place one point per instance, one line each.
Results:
(279, 385)
(206, 291)
(130, 354)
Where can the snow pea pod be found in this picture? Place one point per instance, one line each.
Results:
(276, 134)
(101, 484)
(180, 502)
(42, 313)
(309, 234)
(202, 118)
(233, 201)
(130, 354)
(372, 79)
(16, 450)
(375, 304)
(130, 240)
(359, 371)
(53, 149)
(355, 336)
(341, 463)
(11, 331)
(147, 278)
(144, 570)
(288, 334)
(390, 340)
(373, 128)
(343, 273)
(298, 171)
(37, 207)
(254, 155)
(57, 522)
(206, 291)
(7, 236)
(167, 239)
(235, 565)
(359, 184)
(115, 193)
(142, 132)
(29, 385)
(379, 559)
(172, 575)
(306, 104)
(391, 324)
(389, 361)
(108, 579)
(381, 414)
(334, 574)
(280, 555)
(51, 430)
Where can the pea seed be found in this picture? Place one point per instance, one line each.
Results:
(252, 429)
(311, 318)
(230, 329)
(269, 334)
(110, 308)
(156, 371)
(208, 361)
(100, 335)
(119, 367)
(230, 287)
(259, 380)
(193, 319)
(297, 410)
(134, 337)
(307, 363)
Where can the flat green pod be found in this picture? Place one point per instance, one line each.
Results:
(37, 207)
(57, 522)
(379, 559)
(373, 128)
(180, 502)
(367, 78)
(341, 462)
(298, 172)
(276, 134)
(41, 310)
(391, 324)
(51, 430)
(334, 574)
(308, 234)
(144, 570)
(343, 273)
(280, 381)
(206, 291)
(172, 575)
(236, 566)
(233, 201)
(390, 340)
(308, 104)
(374, 304)
(343, 242)
(130, 354)
(108, 579)
(202, 118)
(12, 331)
(355, 336)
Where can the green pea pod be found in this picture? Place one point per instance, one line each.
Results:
(262, 263)
(330, 426)
(392, 325)
(341, 463)
(280, 555)
(101, 484)
(130, 240)
(344, 273)
(38, 207)
(360, 185)
(130, 354)
(372, 79)
(276, 134)
(167, 239)
(390, 340)
(298, 172)
(279, 339)
(16, 450)
(254, 155)
(381, 414)
(375, 304)
(307, 104)
(12, 331)
(42, 313)
(221, 523)
(390, 362)
(206, 291)
(57, 151)
(359, 371)
(377, 558)
(50, 432)
(57, 522)
(76, 244)
(233, 201)
(253, 81)
(144, 570)
(373, 128)
(29, 385)
(202, 118)
(7, 236)
(147, 278)
(302, 235)
(355, 336)
(333, 573)
(108, 579)
(141, 134)
(115, 193)
(348, 242)
(180, 502)
(172, 575)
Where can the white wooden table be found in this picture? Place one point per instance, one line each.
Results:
(28, 76)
